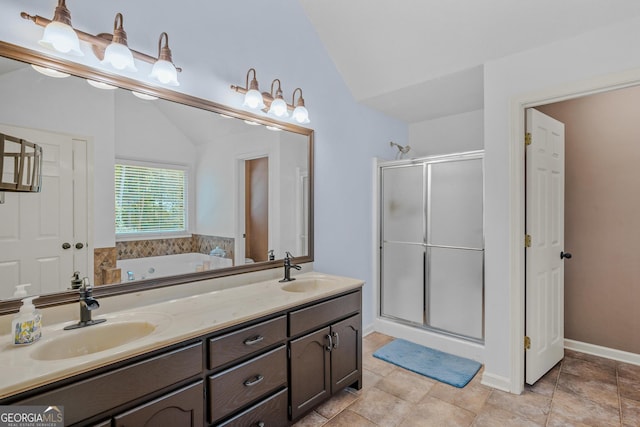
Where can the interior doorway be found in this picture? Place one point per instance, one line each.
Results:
(257, 209)
(44, 237)
(601, 162)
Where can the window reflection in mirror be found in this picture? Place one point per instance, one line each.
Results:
(96, 216)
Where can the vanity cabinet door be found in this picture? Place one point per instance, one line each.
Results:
(184, 407)
(310, 371)
(346, 353)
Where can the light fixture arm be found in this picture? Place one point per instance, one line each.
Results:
(119, 35)
(99, 42)
(278, 91)
(293, 99)
(164, 52)
(62, 14)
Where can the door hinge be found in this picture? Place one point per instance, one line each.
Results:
(527, 343)
(290, 410)
(527, 139)
(527, 240)
(289, 353)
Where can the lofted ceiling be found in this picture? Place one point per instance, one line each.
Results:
(420, 59)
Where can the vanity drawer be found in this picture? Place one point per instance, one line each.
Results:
(246, 383)
(271, 412)
(103, 392)
(236, 345)
(318, 315)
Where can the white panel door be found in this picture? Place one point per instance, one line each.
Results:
(34, 226)
(545, 225)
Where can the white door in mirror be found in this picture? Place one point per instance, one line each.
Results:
(35, 226)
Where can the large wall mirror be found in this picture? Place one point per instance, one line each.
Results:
(140, 193)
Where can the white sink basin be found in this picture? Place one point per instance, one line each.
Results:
(308, 285)
(93, 339)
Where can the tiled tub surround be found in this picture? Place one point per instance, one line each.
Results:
(105, 259)
(157, 247)
(187, 317)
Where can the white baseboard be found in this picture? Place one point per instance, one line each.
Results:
(496, 381)
(607, 353)
(366, 330)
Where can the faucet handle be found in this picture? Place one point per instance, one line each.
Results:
(288, 255)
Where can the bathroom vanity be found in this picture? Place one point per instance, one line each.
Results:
(262, 355)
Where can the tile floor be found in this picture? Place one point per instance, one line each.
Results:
(582, 390)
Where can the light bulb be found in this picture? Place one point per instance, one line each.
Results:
(279, 108)
(119, 57)
(62, 38)
(253, 99)
(301, 115)
(165, 72)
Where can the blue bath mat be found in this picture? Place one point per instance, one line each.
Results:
(444, 367)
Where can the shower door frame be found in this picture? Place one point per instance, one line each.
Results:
(425, 162)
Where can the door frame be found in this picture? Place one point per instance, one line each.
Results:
(517, 271)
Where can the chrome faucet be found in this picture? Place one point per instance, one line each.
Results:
(87, 304)
(287, 268)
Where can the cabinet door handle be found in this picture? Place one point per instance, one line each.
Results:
(330, 346)
(337, 339)
(253, 381)
(66, 245)
(253, 340)
(260, 424)
(79, 245)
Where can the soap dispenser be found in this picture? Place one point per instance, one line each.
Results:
(21, 291)
(27, 324)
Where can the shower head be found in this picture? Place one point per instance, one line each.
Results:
(402, 150)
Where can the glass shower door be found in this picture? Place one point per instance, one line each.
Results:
(455, 245)
(402, 252)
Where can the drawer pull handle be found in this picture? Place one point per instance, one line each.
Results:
(336, 337)
(253, 340)
(253, 381)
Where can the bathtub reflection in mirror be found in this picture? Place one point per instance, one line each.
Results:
(238, 194)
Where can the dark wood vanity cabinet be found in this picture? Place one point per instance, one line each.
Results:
(267, 372)
(328, 359)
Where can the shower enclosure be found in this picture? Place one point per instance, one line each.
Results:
(431, 243)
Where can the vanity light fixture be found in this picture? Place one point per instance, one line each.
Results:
(300, 113)
(278, 106)
(117, 54)
(252, 96)
(110, 49)
(50, 72)
(163, 69)
(58, 33)
(275, 105)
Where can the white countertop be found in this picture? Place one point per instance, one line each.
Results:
(175, 320)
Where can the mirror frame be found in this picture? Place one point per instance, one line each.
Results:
(29, 56)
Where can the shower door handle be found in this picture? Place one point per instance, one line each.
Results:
(566, 255)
